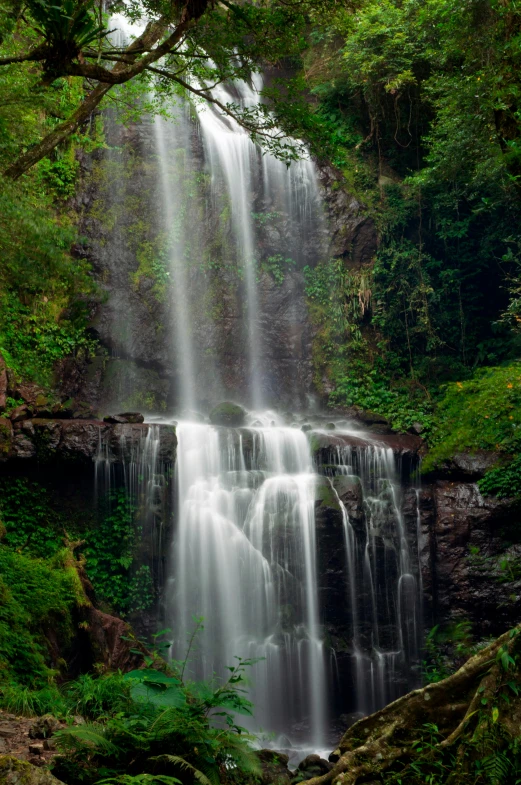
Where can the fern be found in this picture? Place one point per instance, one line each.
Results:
(235, 749)
(198, 775)
(90, 735)
(497, 768)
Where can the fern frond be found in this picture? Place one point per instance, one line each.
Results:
(497, 768)
(243, 756)
(176, 760)
(91, 735)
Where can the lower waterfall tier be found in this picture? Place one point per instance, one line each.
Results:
(295, 548)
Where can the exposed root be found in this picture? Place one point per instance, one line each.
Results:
(384, 740)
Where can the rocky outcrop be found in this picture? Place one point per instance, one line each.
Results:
(81, 440)
(112, 641)
(472, 558)
(468, 465)
(325, 446)
(228, 414)
(353, 232)
(19, 772)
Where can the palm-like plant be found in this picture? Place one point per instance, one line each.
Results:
(67, 27)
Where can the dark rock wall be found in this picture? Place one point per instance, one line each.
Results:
(470, 557)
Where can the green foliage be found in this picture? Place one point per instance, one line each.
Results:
(35, 594)
(67, 26)
(276, 267)
(424, 130)
(111, 548)
(444, 648)
(32, 526)
(340, 303)
(41, 319)
(502, 481)
(483, 412)
(151, 724)
(28, 702)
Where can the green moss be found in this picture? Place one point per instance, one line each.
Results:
(35, 594)
(325, 494)
(480, 413)
(227, 413)
(22, 773)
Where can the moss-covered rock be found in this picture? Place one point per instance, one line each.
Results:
(18, 772)
(325, 494)
(227, 413)
(6, 437)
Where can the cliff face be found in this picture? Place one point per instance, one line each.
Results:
(128, 237)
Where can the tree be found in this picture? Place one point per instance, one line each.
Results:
(186, 46)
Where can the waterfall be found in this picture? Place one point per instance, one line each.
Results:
(249, 178)
(246, 539)
(384, 580)
(173, 137)
(244, 557)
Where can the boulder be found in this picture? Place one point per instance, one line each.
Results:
(18, 772)
(112, 642)
(126, 417)
(44, 727)
(312, 766)
(227, 413)
(274, 767)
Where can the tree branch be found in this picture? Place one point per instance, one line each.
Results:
(120, 74)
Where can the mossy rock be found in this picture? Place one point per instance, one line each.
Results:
(227, 413)
(18, 772)
(6, 437)
(325, 494)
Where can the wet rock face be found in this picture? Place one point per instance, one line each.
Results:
(121, 207)
(353, 233)
(476, 548)
(48, 440)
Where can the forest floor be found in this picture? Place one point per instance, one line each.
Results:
(22, 737)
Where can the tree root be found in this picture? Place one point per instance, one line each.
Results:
(385, 739)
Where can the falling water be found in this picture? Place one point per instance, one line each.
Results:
(173, 137)
(384, 582)
(245, 559)
(249, 178)
(245, 546)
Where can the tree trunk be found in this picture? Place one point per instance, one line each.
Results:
(122, 72)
